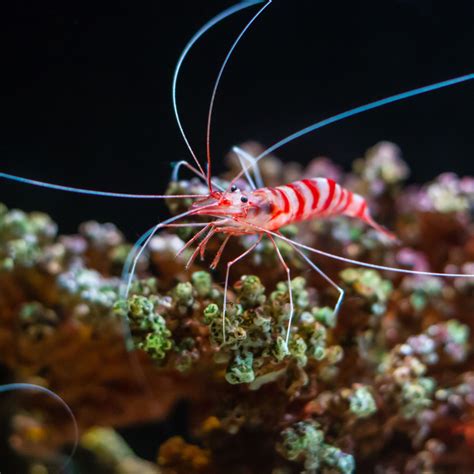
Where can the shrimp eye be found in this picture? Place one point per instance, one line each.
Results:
(244, 199)
(233, 188)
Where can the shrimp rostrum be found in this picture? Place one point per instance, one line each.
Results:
(258, 210)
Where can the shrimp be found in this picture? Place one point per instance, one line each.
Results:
(269, 209)
(262, 211)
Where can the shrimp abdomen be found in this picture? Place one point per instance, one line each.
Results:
(317, 197)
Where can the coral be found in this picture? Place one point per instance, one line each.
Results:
(386, 385)
(304, 442)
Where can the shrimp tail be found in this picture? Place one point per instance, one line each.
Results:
(381, 229)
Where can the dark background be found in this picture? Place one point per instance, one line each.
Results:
(85, 96)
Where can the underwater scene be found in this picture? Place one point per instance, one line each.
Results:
(270, 315)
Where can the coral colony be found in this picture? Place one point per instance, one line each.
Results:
(387, 385)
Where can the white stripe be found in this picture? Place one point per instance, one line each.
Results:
(323, 188)
(291, 195)
(335, 199)
(308, 198)
(355, 204)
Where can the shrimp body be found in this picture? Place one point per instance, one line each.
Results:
(273, 208)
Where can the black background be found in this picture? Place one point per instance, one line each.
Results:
(86, 91)
(85, 96)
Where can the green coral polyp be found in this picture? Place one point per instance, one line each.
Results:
(334, 457)
(362, 403)
(158, 342)
(183, 294)
(211, 312)
(140, 307)
(304, 443)
(250, 290)
(301, 439)
(280, 349)
(148, 328)
(261, 331)
(240, 370)
(202, 283)
(298, 348)
(416, 396)
(367, 283)
(326, 316)
(458, 333)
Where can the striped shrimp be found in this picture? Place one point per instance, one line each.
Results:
(266, 210)
(261, 211)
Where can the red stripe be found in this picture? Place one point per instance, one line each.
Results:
(360, 212)
(312, 186)
(300, 197)
(332, 187)
(286, 209)
(275, 215)
(349, 201)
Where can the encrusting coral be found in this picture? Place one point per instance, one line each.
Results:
(387, 385)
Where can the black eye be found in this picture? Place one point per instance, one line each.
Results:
(233, 188)
(244, 199)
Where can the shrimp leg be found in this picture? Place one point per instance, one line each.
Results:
(290, 291)
(226, 283)
(326, 277)
(201, 247)
(219, 253)
(194, 238)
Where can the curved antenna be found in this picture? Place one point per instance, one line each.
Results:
(71, 189)
(179, 164)
(216, 86)
(359, 110)
(11, 387)
(207, 26)
(251, 160)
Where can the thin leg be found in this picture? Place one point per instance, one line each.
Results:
(219, 252)
(200, 248)
(193, 239)
(226, 283)
(329, 280)
(203, 244)
(137, 250)
(290, 291)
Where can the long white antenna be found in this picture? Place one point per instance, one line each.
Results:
(224, 14)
